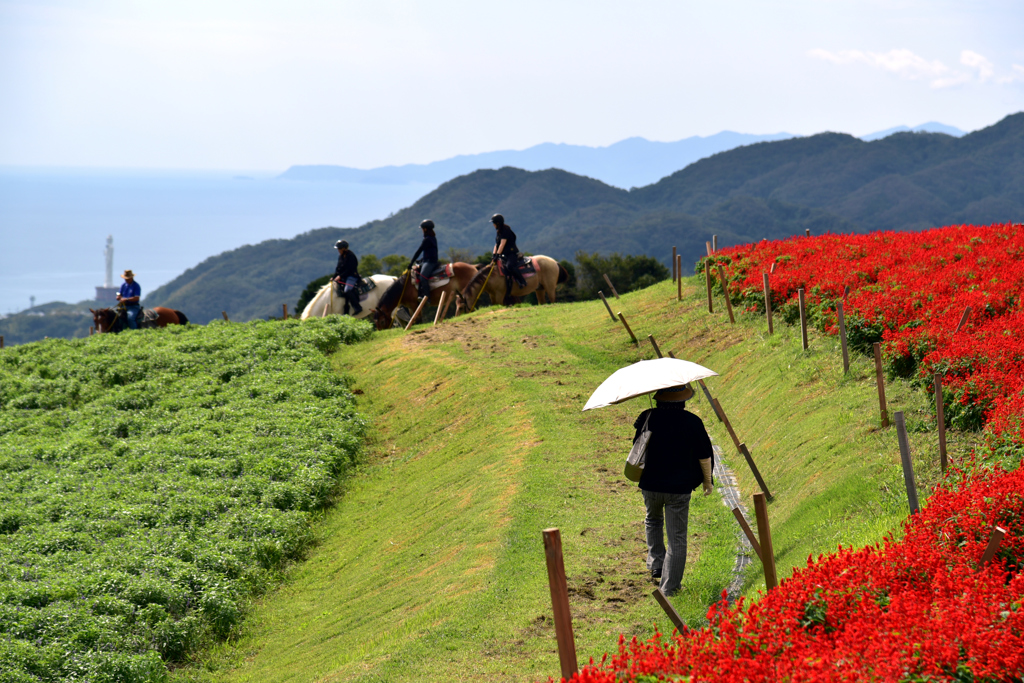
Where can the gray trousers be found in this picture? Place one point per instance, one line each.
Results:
(672, 511)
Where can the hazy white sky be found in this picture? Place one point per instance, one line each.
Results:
(252, 84)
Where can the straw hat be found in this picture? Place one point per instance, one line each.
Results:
(674, 394)
(127, 274)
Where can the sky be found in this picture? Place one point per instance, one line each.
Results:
(258, 84)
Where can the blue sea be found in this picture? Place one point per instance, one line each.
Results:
(54, 222)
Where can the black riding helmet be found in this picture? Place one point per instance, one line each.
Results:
(341, 244)
(498, 219)
(427, 225)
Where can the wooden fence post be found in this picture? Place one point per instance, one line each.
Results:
(284, 311)
(225, 314)
(657, 349)
(560, 602)
(765, 533)
(673, 615)
(601, 294)
(940, 419)
(707, 395)
(632, 336)
(448, 304)
(725, 289)
(440, 307)
(771, 271)
(963, 319)
(842, 338)
(753, 468)
(714, 244)
(707, 281)
(880, 377)
(679, 280)
(416, 315)
(91, 330)
(2, 338)
(751, 538)
(768, 303)
(708, 245)
(994, 541)
(908, 465)
(606, 279)
(803, 316)
(675, 272)
(807, 231)
(728, 425)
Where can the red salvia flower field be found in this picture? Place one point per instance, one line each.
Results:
(921, 608)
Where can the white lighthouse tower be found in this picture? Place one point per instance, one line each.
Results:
(107, 294)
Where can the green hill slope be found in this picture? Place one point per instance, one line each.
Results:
(828, 182)
(432, 567)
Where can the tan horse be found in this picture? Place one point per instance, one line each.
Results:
(547, 276)
(404, 293)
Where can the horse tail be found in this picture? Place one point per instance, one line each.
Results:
(182, 320)
(563, 274)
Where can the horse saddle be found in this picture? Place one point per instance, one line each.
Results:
(524, 264)
(147, 318)
(440, 277)
(365, 286)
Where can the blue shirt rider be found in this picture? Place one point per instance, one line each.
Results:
(129, 297)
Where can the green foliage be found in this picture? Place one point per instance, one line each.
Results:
(22, 328)
(152, 483)
(627, 273)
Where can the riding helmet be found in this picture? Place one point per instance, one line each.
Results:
(427, 225)
(341, 244)
(498, 219)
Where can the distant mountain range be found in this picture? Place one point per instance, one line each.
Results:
(634, 162)
(827, 182)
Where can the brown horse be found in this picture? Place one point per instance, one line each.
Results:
(113, 320)
(549, 273)
(403, 292)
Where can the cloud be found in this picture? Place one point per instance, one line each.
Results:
(907, 65)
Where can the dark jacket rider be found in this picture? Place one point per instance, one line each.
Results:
(346, 275)
(506, 250)
(428, 247)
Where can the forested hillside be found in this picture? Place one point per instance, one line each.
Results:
(827, 182)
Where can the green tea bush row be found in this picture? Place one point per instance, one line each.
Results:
(152, 482)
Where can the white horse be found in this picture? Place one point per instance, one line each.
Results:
(327, 302)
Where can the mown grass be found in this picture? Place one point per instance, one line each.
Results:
(432, 568)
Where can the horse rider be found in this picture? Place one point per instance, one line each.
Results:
(346, 275)
(128, 298)
(428, 247)
(505, 249)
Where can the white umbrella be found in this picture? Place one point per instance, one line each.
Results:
(645, 377)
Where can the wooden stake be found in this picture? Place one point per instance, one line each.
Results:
(751, 538)
(707, 395)
(908, 465)
(725, 289)
(675, 271)
(657, 350)
(846, 292)
(803, 316)
(765, 533)
(225, 314)
(963, 319)
(2, 338)
(673, 615)
(940, 419)
(91, 330)
(601, 294)
(710, 252)
(448, 304)
(440, 306)
(714, 244)
(994, 541)
(284, 310)
(768, 303)
(632, 336)
(560, 602)
(807, 231)
(842, 338)
(880, 378)
(416, 315)
(771, 271)
(728, 425)
(679, 280)
(605, 275)
(753, 468)
(707, 281)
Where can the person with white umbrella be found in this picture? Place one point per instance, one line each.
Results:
(679, 460)
(678, 457)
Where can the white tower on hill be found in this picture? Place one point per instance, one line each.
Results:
(107, 294)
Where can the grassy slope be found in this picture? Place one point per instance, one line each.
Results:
(432, 566)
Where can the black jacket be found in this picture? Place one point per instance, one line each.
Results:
(348, 266)
(428, 247)
(505, 233)
(678, 441)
